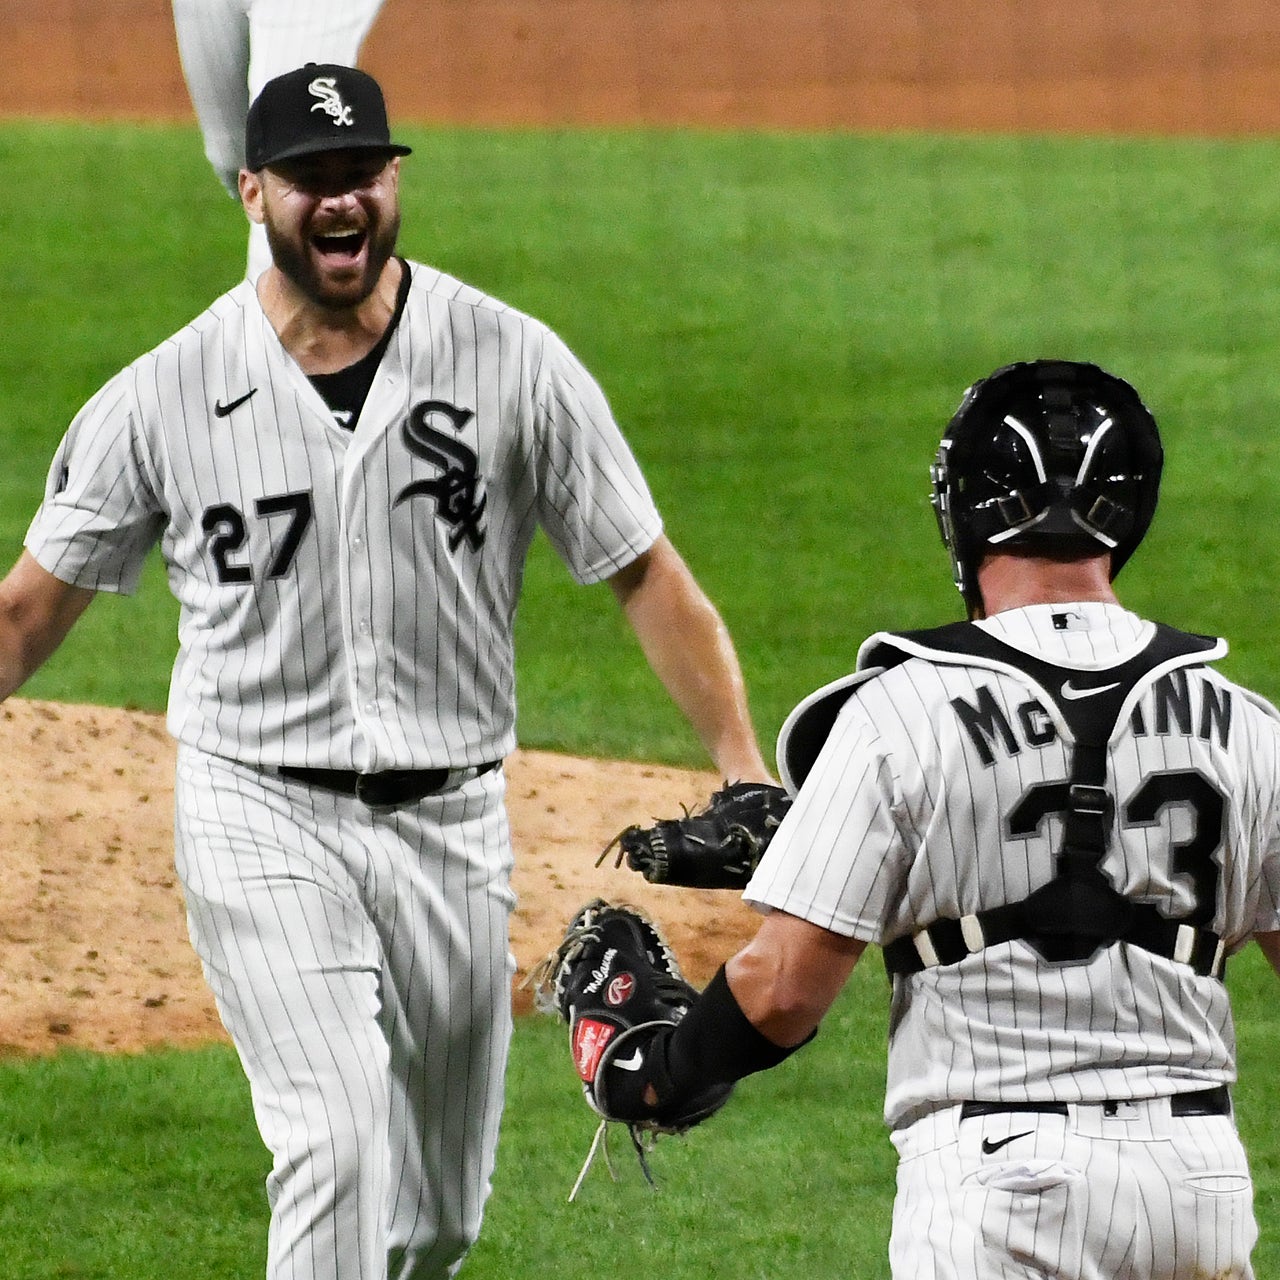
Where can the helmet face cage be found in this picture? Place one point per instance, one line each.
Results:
(940, 477)
(1051, 458)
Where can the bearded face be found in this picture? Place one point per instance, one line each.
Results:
(332, 221)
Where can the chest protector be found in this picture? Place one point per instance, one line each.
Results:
(1078, 912)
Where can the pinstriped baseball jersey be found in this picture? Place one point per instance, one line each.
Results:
(346, 596)
(923, 804)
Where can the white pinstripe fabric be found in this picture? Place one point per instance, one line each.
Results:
(360, 962)
(905, 818)
(382, 647)
(1135, 1196)
(902, 821)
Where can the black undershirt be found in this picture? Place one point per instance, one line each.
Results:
(346, 391)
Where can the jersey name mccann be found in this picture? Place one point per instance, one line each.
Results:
(1177, 706)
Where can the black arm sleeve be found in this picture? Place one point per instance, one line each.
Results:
(715, 1043)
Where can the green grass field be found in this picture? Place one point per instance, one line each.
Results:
(784, 325)
(149, 1168)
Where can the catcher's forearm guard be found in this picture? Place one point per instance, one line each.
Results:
(717, 847)
(675, 1067)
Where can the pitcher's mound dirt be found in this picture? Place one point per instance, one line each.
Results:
(93, 944)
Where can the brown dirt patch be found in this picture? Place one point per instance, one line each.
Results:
(1157, 66)
(93, 946)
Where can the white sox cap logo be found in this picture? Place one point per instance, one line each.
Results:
(326, 89)
(317, 108)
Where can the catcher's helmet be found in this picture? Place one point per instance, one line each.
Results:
(1047, 457)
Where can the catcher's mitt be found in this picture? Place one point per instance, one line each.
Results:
(618, 985)
(716, 848)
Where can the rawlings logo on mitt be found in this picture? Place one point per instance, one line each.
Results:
(716, 848)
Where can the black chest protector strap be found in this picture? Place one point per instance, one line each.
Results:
(1079, 911)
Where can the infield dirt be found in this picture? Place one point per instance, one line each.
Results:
(93, 945)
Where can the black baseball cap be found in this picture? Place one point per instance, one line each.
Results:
(319, 107)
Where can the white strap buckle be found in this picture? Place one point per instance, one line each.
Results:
(924, 948)
(971, 931)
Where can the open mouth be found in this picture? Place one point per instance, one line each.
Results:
(343, 246)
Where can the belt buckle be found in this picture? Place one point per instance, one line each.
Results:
(362, 794)
(383, 792)
(394, 788)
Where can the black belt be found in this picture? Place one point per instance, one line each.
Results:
(386, 790)
(1203, 1102)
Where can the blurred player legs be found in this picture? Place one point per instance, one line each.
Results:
(231, 48)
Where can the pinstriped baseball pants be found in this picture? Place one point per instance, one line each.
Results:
(362, 967)
(231, 48)
(1138, 1195)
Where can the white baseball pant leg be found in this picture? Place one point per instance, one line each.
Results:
(362, 967)
(231, 48)
(213, 44)
(1139, 1195)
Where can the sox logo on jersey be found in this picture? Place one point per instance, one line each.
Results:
(331, 103)
(460, 502)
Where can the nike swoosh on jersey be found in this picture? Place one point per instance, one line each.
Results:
(1071, 692)
(221, 410)
(633, 1063)
(988, 1146)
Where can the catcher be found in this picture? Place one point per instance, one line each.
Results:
(1055, 862)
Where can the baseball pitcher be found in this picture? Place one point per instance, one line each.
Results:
(344, 465)
(1058, 820)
